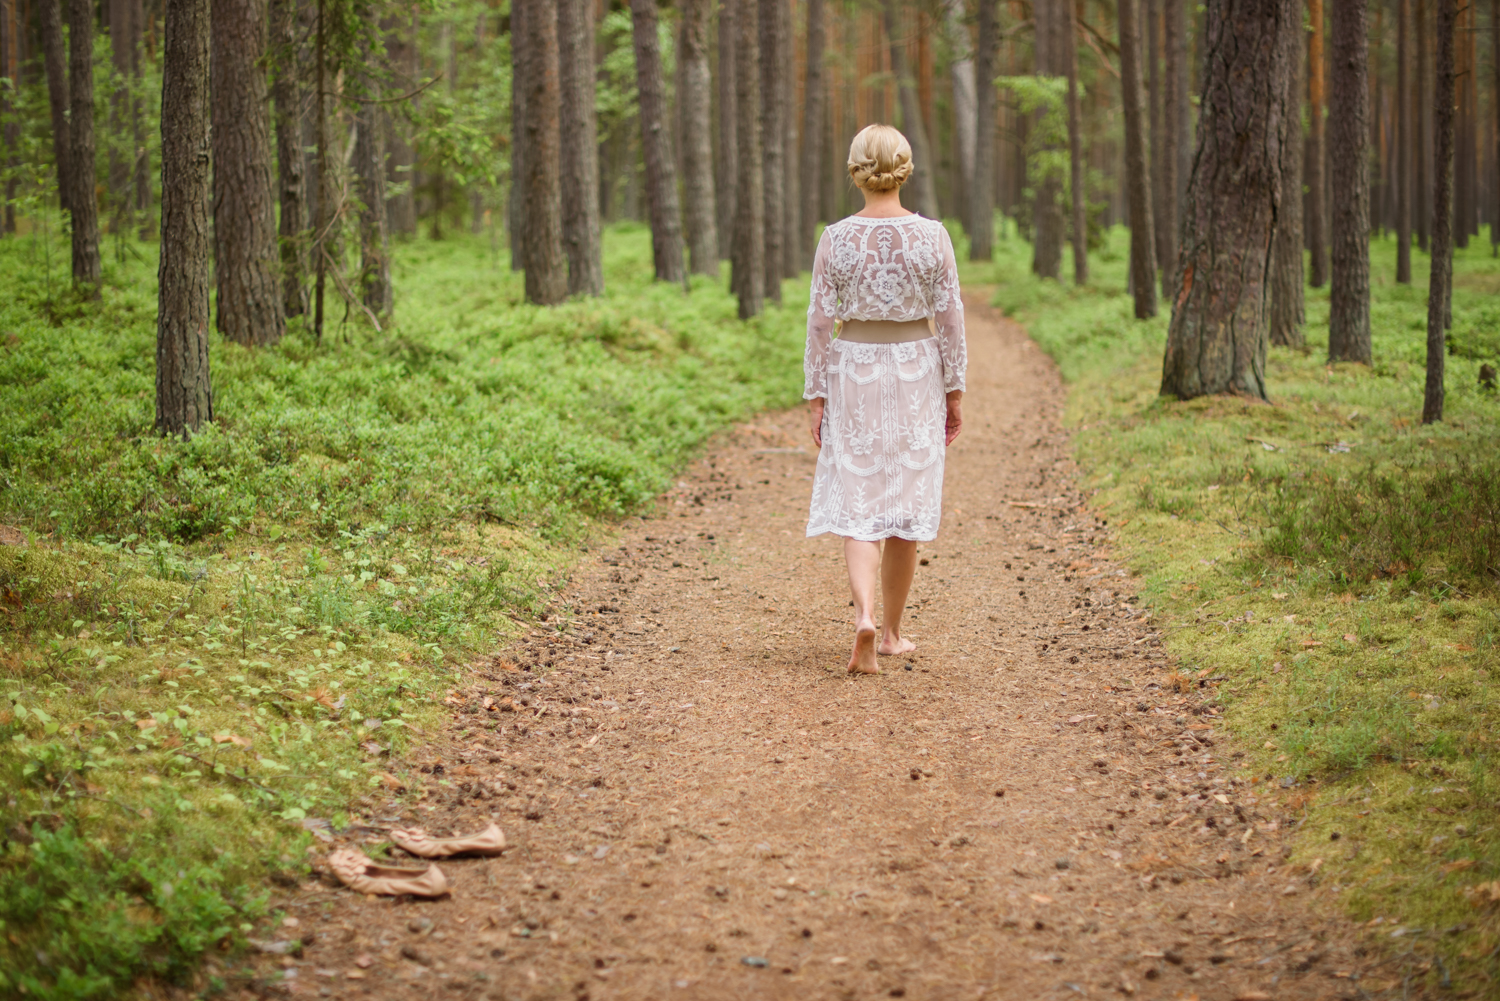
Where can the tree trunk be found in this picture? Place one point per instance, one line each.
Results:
(724, 181)
(1137, 170)
(401, 50)
(965, 114)
(1317, 150)
(697, 141)
(1048, 220)
(790, 189)
(1217, 340)
(374, 233)
(49, 14)
(1403, 150)
(772, 24)
(322, 214)
(546, 270)
(520, 77)
(1154, 25)
(1349, 140)
(1440, 283)
(82, 204)
(924, 172)
(1075, 160)
(246, 261)
(184, 392)
(1175, 141)
(661, 176)
(286, 95)
(1288, 308)
(814, 128)
(1495, 128)
(124, 40)
(981, 198)
(579, 149)
(748, 249)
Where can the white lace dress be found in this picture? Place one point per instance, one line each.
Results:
(880, 470)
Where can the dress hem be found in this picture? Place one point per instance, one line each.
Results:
(870, 537)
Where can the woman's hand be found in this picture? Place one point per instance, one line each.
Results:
(815, 416)
(955, 421)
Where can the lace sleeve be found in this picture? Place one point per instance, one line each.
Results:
(948, 315)
(822, 308)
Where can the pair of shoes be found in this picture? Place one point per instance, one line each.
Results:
(489, 841)
(358, 871)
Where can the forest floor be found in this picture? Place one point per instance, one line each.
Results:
(702, 804)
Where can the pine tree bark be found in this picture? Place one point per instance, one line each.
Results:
(520, 85)
(656, 145)
(1288, 306)
(1154, 26)
(791, 196)
(924, 173)
(1423, 140)
(981, 198)
(1495, 128)
(400, 32)
(814, 130)
(10, 69)
(1047, 213)
(124, 42)
(184, 390)
(1176, 123)
(724, 177)
(54, 57)
(748, 249)
(579, 149)
(82, 204)
(1137, 165)
(1440, 280)
(1403, 150)
(1217, 340)
(1349, 143)
(699, 215)
(965, 115)
(1075, 159)
(291, 185)
(1317, 151)
(771, 21)
(374, 231)
(546, 269)
(246, 260)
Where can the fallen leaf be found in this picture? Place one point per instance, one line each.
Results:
(364, 961)
(1041, 898)
(1458, 865)
(145, 724)
(1312, 643)
(231, 738)
(1279, 595)
(1350, 638)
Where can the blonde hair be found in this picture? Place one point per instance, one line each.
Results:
(879, 158)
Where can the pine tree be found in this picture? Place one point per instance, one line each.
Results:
(1348, 147)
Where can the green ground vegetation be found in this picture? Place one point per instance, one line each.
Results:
(209, 648)
(1337, 564)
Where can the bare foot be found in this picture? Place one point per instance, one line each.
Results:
(862, 660)
(889, 648)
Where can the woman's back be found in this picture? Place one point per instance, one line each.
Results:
(900, 268)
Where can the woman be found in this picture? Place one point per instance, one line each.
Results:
(886, 394)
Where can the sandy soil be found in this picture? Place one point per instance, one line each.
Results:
(702, 804)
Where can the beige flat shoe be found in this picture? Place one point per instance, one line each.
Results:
(359, 872)
(489, 841)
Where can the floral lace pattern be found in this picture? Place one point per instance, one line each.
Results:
(884, 269)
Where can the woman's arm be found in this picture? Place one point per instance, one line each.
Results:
(822, 309)
(948, 317)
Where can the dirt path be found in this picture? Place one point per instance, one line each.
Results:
(703, 805)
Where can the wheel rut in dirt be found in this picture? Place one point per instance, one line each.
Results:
(701, 803)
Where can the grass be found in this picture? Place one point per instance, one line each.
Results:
(210, 647)
(1333, 561)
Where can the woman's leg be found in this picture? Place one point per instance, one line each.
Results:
(896, 570)
(863, 559)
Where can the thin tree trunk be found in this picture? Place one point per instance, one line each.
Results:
(546, 269)
(1422, 137)
(520, 77)
(1047, 214)
(965, 114)
(1440, 283)
(49, 16)
(246, 260)
(1317, 150)
(1175, 141)
(1288, 307)
(82, 203)
(814, 127)
(725, 166)
(661, 177)
(1217, 340)
(1179, 98)
(790, 190)
(321, 217)
(981, 199)
(400, 32)
(123, 44)
(286, 95)
(1403, 150)
(748, 249)
(772, 22)
(184, 390)
(1154, 26)
(924, 167)
(1075, 159)
(697, 140)
(374, 231)
(1349, 140)
(1137, 170)
(579, 149)
(1495, 128)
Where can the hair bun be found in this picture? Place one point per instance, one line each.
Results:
(879, 158)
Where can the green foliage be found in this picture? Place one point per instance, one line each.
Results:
(1330, 558)
(208, 642)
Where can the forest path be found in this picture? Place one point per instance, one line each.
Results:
(702, 804)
